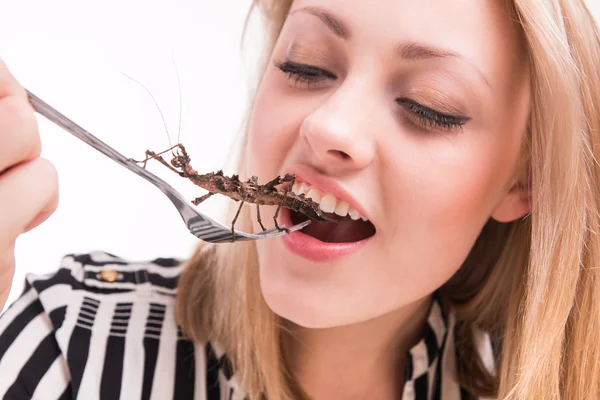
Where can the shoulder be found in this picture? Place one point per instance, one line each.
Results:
(87, 283)
(53, 331)
(104, 276)
(97, 278)
(104, 273)
(102, 324)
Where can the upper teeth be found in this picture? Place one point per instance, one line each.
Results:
(327, 202)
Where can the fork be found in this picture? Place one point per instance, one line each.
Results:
(197, 223)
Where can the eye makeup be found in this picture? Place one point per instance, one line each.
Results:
(304, 73)
(429, 118)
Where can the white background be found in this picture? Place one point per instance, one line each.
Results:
(71, 53)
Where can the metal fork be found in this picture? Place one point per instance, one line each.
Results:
(198, 224)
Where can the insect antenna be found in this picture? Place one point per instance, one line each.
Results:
(158, 107)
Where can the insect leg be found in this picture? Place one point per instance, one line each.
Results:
(285, 192)
(158, 157)
(273, 183)
(279, 180)
(199, 200)
(235, 219)
(150, 155)
(258, 216)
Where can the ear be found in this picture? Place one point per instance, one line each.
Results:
(516, 204)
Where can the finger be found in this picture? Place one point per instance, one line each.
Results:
(25, 191)
(18, 132)
(7, 270)
(44, 214)
(9, 86)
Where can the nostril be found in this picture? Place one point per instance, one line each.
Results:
(340, 154)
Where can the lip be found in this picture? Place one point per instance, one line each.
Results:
(325, 185)
(314, 250)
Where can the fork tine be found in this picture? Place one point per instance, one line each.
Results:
(226, 236)
(217, 235)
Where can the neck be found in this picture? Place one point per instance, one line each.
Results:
(359, 361)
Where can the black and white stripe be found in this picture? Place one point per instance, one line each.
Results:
(111, 381)
(151, 341)
(73, 335)
(30, 358)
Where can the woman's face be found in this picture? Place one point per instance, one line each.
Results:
(409, 113)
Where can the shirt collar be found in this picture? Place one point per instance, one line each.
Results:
(422, 357)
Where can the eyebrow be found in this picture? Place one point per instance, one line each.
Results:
(411, 51)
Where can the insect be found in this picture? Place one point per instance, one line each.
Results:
(249, 191)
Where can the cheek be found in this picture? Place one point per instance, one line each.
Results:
(460, 184)
(271, 134)
(459, 195)
(459, 201)
(442, 196)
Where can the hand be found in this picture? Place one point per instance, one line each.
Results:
(28, 183)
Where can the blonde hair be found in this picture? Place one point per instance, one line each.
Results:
(532, 284)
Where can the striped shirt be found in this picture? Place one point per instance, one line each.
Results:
(104, 328)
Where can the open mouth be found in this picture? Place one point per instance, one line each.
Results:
(347, 230)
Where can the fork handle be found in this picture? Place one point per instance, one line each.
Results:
(59, 119)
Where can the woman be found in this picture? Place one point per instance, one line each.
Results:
(455, 142)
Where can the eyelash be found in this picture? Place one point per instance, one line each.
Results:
(430, 118)
(427, 117)
(304, 73)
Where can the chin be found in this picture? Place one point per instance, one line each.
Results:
(293, 296)
(307, 314)
(306, 299)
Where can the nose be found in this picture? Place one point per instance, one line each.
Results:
(340, 132)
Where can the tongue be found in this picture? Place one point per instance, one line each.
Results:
(346, 230)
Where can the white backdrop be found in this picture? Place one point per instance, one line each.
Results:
(71, 54)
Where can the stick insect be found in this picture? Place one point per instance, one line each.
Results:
(233, 187)
(249, 191)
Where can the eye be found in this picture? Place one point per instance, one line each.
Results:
(304, 73)
(428, 118)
